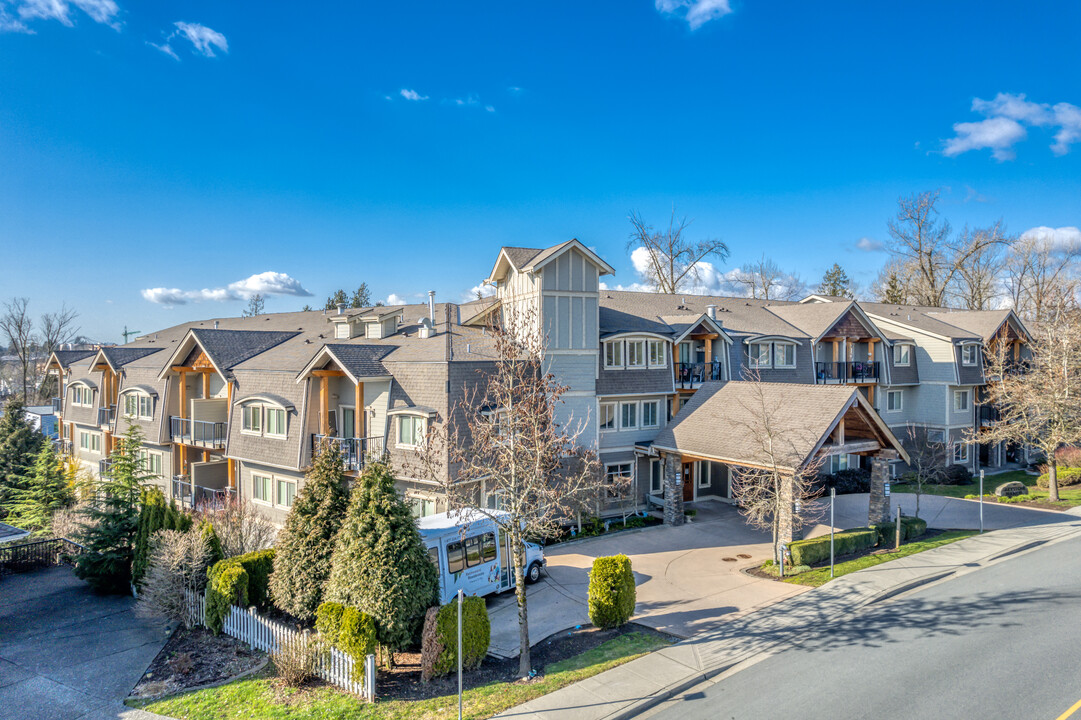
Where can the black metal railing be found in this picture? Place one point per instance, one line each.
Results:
(857, 371)
(105, 468)
(198, 496)
(689, 375)
(203, 433)
(106, 414)
(37, 554)
(58, 405)
(356, 452)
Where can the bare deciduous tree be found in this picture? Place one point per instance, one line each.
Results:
(926, 459)
(1041, 278)
(1039, 403)
(766, 495)
(924, 241)
(505, 435)
(977, 283)
(240, 527)
(673, 261)
(18, 328)
(57, 329)
(178, 563)
(765, 280)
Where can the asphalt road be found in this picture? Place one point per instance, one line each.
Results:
(1001, 642)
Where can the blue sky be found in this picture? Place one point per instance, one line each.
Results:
(192, 145)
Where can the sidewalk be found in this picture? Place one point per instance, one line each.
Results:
(630, 689)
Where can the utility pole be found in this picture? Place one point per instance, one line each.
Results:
(127, 332)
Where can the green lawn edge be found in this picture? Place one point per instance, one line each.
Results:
(1068, 496)
(259, 698)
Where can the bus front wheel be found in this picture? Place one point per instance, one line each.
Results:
(533, 573)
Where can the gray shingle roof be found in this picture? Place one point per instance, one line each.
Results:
(67, 357)
(120, 356)
(227, 348)
(984, 323)
(919, 318)
(362, 360)
(520, 256)
(741, 315)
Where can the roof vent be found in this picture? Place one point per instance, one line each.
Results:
(431, 306)
(341, 308)
(467, 348)
(711, 310)
(215, 324)
(425, 327)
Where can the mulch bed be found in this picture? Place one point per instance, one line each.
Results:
(193, 658)
(403, 682)
(758, 572)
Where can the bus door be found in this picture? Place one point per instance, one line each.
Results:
(506, 562)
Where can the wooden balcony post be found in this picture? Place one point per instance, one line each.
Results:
(324, 398)
(359, 414)
(206, 384)
(183, 395)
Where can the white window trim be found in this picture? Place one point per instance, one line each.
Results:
(398, 430)
(975, 355)
(698, 475)
(262, 419)
(663, 362)
(615, 417)
(266, 425)
(660, 464)
(957, 394)
(898, 363)
(642, 415)
(773, 355)
(963, 448)
(900, 403)
(622, 355)
(273, 489)
(275, 479)
(634, 481)
(627, 354)
(754, 360)
(637, 416)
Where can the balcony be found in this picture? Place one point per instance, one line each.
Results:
(196, 497)
(105, 468)
(988, 414)
(691, 375)
(63, 447)
(199, 433)
(106, 415)
(857, 371)
(356, 452)
(58, 405)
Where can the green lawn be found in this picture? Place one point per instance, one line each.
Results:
(1068, 496)
(821, 576)
(260, 697)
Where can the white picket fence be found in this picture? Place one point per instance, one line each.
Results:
(265, 634)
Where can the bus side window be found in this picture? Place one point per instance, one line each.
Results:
(433, 555)
(472, 550)
(455, 558)
(487, 545)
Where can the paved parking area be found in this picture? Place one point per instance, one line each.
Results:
(66, 653)
(688, 578)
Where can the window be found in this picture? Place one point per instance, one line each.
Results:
(82, 395)
(472, 551)
(422, 507)
(487, 547)
(970, 354)
(286, 492)
(455, 558)
(758, 355)
(253, 419)
(702, 472)
(131, 405)
(657, 355)
(960, 452)
(636, 353)
(262, 488)
(960, 400)
(411, 430)
(613, 354)
(151, 462)
(138, 405)
(95, 443)
(614, 471)
(838, 463)
(146, 407)
(936, 435)
(902, 355)
(784, 355)
(651, 414)
(656, 477)
(608, 416)
(628, 415)
(275, 421)
(895, 401)
(84, 441)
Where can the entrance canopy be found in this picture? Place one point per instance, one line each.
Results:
(776, 425)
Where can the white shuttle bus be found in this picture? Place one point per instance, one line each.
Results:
(473, 554)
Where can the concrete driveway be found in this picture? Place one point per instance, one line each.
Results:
(67, 653)
(688, 579)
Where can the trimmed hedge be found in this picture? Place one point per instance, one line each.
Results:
(240, 581)
(911, 527)
(439, 639)
(1066, 476)
(809, 552)
(612, 594)
(846, 482)
(349, 630)
(957, 475)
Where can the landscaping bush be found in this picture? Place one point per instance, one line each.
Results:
(809, 552)
(1069, 456)
(349, 630)
(297, 659)
(176, 567)
(611, 591)
(439, 639)
(846, 482)
(957, 475)
(206, 530)
(259, 566)
(228, 585)
(1066, 477)
(913, 527)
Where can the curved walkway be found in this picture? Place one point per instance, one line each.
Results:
(66, 653)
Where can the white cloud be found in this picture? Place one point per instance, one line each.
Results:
(1063, 238)
(868, 244)
(1007, 117)
(972, 195)
(695, 12)
(412, 95)
(483, 290)
(395, 299)
(166, 48)
(266, 283)
(202, 38)
(100, 11)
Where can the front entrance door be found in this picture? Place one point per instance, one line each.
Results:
(348, 422)
(688, 482)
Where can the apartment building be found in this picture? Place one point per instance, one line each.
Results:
(236, 405)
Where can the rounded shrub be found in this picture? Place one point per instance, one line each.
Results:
(1065, 476)
(228, 586)
(439, 638)
(612, 593)
(349, 630)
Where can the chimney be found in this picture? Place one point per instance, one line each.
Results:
(341, 308)
(215, 324)
(431, 306)
(711, 310)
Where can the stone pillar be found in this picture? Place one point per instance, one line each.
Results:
(879, 508)
(673, 490)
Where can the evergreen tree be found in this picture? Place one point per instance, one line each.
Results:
(338, 298)
(836, 283)
(114, 515)
(19, 446)
(305, 544)
(362, 297)
(380, 563)
(893, 291)
(47, 490)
